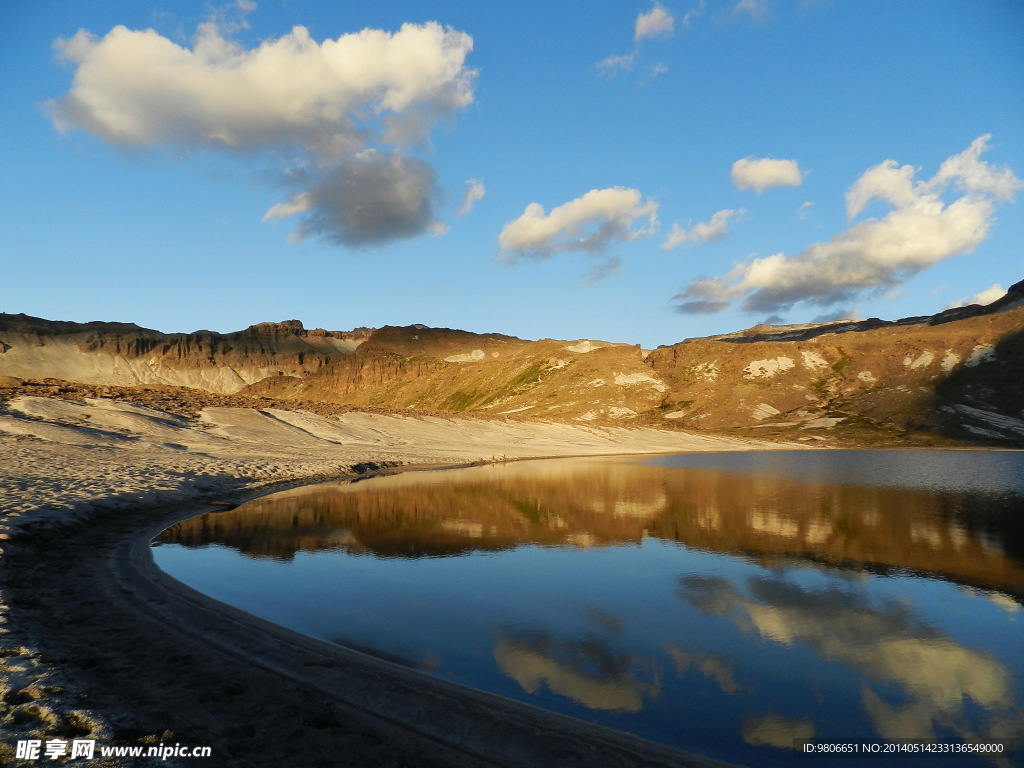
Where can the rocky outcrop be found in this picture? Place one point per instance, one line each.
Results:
(125, 354)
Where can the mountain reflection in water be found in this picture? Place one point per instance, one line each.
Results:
(970, 538)
(721, 607)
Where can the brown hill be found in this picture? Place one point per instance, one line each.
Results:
(957, 374)
(961, 377)
(440, 369)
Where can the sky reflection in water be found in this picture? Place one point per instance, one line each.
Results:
(726, 604)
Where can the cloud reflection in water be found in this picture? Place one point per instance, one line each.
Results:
(930, 675)
(588, 671)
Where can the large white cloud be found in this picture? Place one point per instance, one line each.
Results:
(588, 223)
(761, 174)
(656, 22)
(334, 100)
(920, 231)
(704, 232)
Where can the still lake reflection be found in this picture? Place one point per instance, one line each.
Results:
(725, 604)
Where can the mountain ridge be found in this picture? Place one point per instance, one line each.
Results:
(955, 374)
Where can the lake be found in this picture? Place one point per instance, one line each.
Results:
(726, 604)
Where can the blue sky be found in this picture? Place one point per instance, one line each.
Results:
(642, 172)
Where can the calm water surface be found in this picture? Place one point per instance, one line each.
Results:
(725, 604)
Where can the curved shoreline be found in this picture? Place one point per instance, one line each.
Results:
(161, 657)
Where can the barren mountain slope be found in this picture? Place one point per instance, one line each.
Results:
(958, 373)
(439, 369)
(125, 354)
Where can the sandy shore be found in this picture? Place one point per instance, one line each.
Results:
(97, 643)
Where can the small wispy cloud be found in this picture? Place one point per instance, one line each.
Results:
(756, 10)
(840, 314)
(692, 15)
(601, 271)
(613, 65)
(764, 173)
(590, 222)
(475, 192)
(705, 232)
(656, 22)
(984, 298)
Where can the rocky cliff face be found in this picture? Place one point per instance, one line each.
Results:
(957, 374)
(124, 354)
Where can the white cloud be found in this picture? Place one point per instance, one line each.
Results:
(873, 254)
(761, 174)
(692, 15)
(966, 171)
(705, 232)
(971, 175)
(300, 203)
(475, 191)
(333, 100)
(139, 88)
(804, 210)
(887, 182)
(984, 298)
(588, 223)
(613, 65)
(657, 22)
